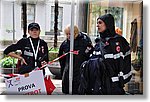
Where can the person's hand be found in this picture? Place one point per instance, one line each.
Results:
(23, 61)
(43, 63)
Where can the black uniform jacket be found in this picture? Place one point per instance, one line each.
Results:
(115, 52)
(117, 58)
(80, 43)
(27, 53)
(108, 69)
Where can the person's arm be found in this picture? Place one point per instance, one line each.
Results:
(62, 60)
(11, 54)
(14, 47)
(89, 48)
(127, 60)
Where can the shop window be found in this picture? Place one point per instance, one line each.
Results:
(97, 10)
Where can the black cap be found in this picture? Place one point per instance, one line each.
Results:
(33, 25)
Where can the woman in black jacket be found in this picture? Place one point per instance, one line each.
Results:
(115, 52)
(34, 51)
(110, 65)
(82, 43)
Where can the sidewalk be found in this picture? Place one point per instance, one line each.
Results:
(2, 88)
(58, 90)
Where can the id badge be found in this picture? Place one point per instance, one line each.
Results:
(28, 53)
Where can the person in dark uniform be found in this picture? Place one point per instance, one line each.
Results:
(34, 51)
(82, 43)
(115, 52)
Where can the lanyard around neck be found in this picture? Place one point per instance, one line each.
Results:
(35, 52)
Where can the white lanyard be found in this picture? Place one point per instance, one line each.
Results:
(35, 52)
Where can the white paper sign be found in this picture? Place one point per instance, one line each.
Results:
(31, 85)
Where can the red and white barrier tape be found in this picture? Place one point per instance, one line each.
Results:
(74, 52)
(14, 75)
(9, 75)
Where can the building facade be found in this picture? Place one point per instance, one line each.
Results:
(40, 11)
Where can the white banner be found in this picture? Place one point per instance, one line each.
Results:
(28, 85)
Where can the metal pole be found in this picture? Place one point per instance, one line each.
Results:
(56, 24)
(71, 47)
(24, 9)
(13, 34)
(13, 23)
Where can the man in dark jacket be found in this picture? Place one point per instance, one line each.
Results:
(34, 51)
(82, 43)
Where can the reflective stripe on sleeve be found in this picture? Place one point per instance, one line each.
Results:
(114, 79)
(108, 56)
(127, 53)
(118, 55)
(96, 52)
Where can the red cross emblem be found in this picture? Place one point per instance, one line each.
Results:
(118, 48)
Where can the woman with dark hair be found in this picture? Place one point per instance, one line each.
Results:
(34, 50)
(110, 65)
(115, 52)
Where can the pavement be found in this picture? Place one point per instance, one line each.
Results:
(58, 85)
(2, 86)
